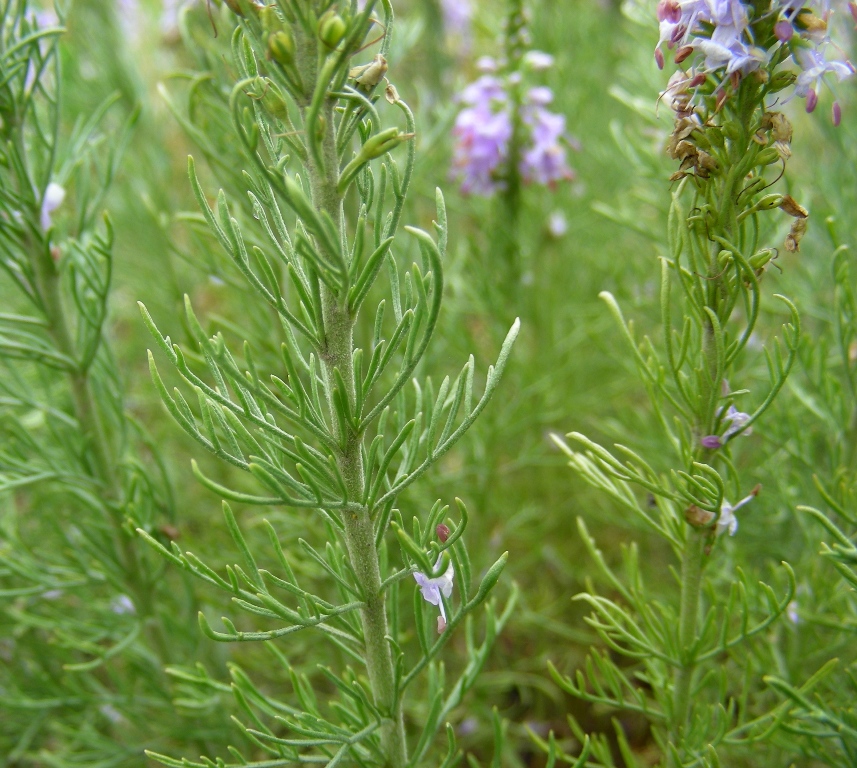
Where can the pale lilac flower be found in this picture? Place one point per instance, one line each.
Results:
(483, 131)
(171, 11)
(814, 66)
(544, 161)
(457, 15)
(737, 421)
(434, 590)
(792, 612)
(557, 224)
(46, 18)
(122, 605)
(54, 195)
(538, 61)
(486, 64)
(130, 18)
(111, 713)
(727, 520)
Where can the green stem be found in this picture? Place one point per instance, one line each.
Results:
(102, 468)
(336, 355)
(691, 579)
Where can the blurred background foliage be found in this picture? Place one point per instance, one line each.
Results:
(569, 371)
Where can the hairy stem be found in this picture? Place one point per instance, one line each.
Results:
(336, 356)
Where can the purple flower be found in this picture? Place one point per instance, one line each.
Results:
(482, 144)
(483, 130)
(434, 590)
(544, 161)
(711, 442)
(737, 422)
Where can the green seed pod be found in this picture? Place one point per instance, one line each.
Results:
(767, 156)
(769, 202)
(760, 259)
(781, 80)
(281, 47)
(331, 29)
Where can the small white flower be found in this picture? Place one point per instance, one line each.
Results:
(432, 589)
(54, 195)
(727, 520)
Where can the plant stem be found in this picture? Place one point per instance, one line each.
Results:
(691, 578)
(336, 355)
(102, 468)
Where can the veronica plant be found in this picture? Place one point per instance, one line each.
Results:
(86, 624)
(340, 428)
(506, 136)
(731, 147)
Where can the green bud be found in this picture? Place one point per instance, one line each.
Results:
(331, 29)
(270, 19)
(701, 139)
(273, 100)
(281, 47)
(731, 130)
(491, 578)
(715, 137)
(767, 156)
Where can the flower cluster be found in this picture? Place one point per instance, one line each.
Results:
(730, 40)
(484, 131)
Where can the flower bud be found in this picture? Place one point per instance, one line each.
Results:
(807, 21)
(281, 47)
(715, 137)
(270, 19)
(273, 100)
(442, 532)
(331, 28)
(731, 130)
